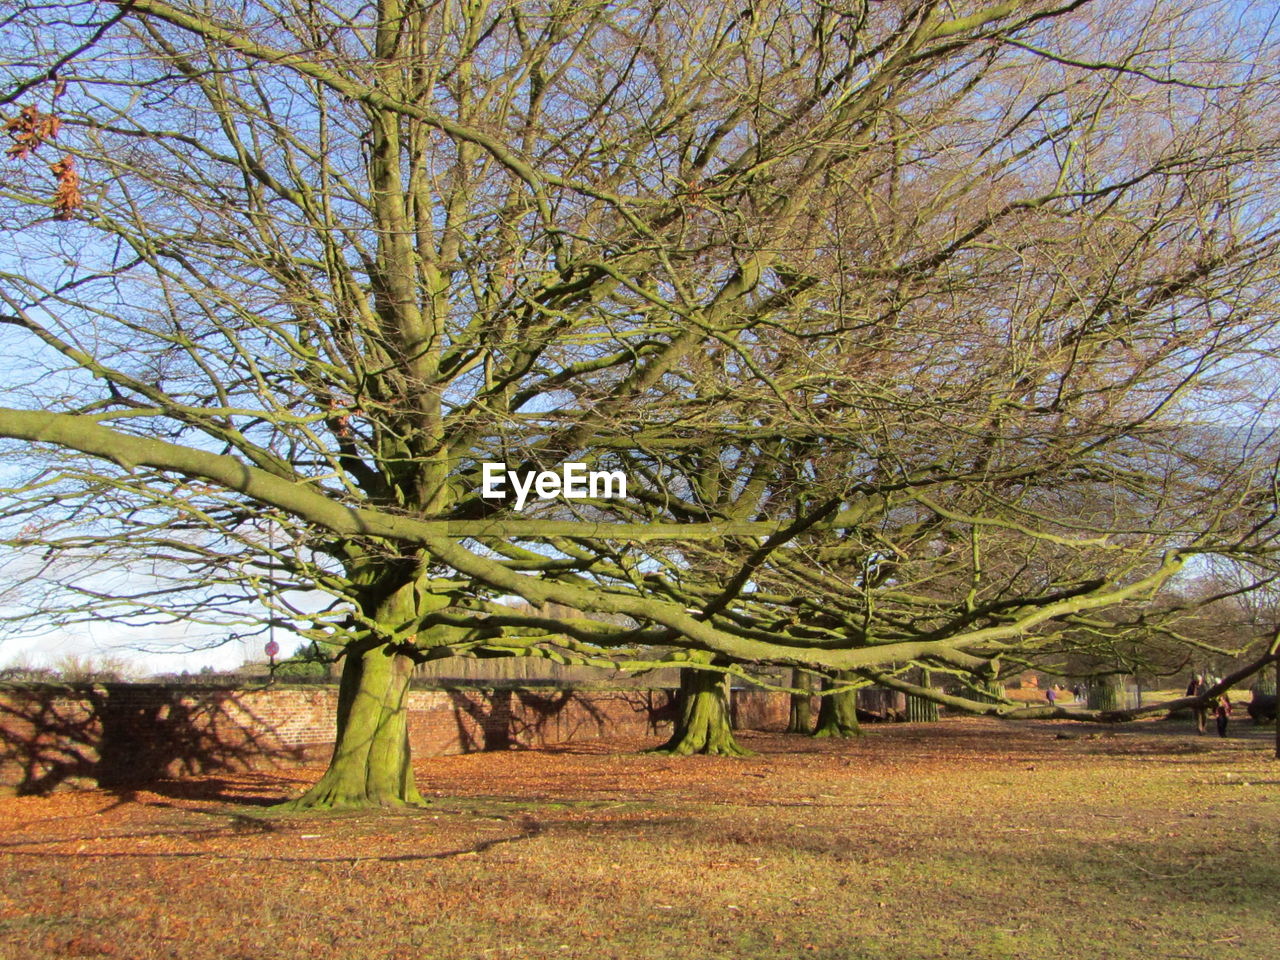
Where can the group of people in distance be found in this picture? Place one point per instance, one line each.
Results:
(1221, 707)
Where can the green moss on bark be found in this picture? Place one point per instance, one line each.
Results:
(838, 713)
(702, 723)
(371, 764)
(801, 714)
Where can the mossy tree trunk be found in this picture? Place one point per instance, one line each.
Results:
(838, 712)
(371, 765)
(702, 720)
(801, 718)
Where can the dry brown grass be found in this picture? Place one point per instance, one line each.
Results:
(967, 838)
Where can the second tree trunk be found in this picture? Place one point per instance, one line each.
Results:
(838, 713)
(702, 720)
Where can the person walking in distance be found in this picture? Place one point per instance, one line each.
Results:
(1222, 711)
(1194, 689)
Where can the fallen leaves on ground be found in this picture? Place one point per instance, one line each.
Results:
(967, 837)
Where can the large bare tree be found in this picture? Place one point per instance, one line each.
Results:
(922, 332)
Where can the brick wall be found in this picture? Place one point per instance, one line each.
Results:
(55, 736)
(461, 720)
(112, 734)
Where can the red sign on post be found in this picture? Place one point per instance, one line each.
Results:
(272, 649)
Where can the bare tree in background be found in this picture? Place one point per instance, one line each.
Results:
(902, 320)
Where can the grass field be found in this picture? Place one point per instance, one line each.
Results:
(968, 838)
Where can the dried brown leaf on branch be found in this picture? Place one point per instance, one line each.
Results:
(67, 199)
(30, 130)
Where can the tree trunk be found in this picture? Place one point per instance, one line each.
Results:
(838, 712)
(370, 766)
(801, 719)
(702, 723)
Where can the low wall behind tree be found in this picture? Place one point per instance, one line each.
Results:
(54, 736)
